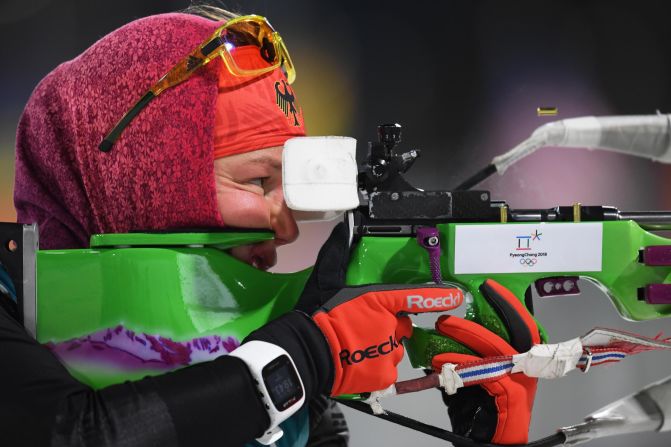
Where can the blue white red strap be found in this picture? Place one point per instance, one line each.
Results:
(599, 357)
(616, 346)
(493, 368)
(598, 347)
(487, 370)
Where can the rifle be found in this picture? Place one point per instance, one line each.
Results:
(139, 304)
(402, 234)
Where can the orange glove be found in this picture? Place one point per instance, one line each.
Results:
(498, 412)
(364, 326)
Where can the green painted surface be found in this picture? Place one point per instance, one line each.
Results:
(187, 286)
(176, 292)
(401, 260)
(222, 240)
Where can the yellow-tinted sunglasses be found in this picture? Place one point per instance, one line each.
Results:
(228, 41)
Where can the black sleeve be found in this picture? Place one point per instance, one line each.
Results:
(41, 404)
(328, 427)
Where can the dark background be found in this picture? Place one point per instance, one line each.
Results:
(464, 78)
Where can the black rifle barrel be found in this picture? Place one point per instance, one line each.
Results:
(646, 217)
(590, 213)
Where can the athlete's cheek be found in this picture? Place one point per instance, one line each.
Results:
(243, 209)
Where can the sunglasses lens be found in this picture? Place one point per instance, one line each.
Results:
(251, 46)
(287, 64)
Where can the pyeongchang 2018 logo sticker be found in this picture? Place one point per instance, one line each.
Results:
(528, 249)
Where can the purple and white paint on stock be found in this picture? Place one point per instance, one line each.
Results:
(125, 349)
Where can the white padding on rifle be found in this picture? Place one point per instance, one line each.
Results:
(450, 380)
(549, 361)
(320, 174)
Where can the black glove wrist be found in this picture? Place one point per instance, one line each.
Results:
(297, 334)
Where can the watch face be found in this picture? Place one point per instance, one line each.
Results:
(282, 383)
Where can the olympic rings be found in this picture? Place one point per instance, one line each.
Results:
(528, 261)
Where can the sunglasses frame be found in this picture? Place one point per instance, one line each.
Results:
(212, 47)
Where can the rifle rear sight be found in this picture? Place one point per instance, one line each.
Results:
(384, 166)
(390, 197)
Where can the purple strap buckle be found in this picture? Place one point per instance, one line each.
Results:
(429, 239)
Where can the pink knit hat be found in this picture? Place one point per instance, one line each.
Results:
(159, 174)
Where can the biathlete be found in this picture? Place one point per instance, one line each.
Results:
(178, 121)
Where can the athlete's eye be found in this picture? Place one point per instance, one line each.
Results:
(256, 181)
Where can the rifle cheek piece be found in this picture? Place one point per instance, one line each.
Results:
(319, 176)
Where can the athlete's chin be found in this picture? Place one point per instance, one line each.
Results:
(261, 256)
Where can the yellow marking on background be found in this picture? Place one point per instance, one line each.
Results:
(326, 91)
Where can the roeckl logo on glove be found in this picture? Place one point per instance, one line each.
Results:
(420, 302)
(370, 352)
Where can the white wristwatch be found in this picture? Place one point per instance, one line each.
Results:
(277, 380)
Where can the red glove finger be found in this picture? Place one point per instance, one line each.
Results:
(514, 396)
(364, 327)
(473, 336)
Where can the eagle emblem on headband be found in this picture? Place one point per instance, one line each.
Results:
(285, 100)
